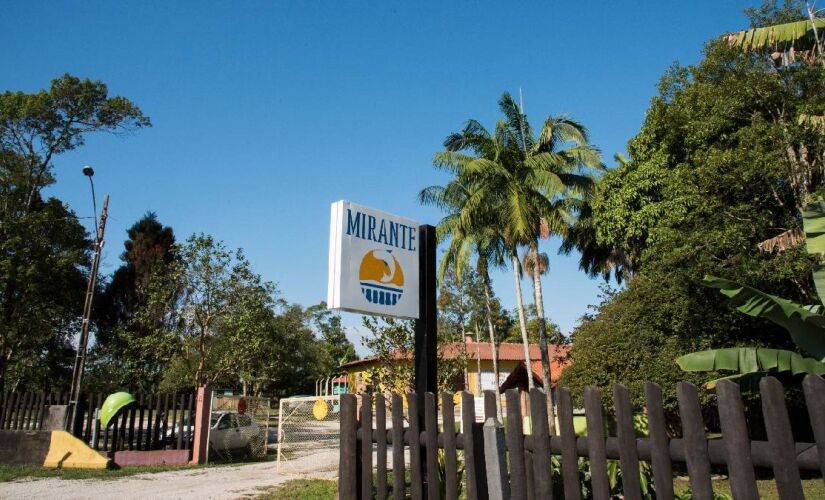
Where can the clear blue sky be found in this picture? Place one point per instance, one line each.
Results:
(266, 112)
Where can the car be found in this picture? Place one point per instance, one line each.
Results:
(229, 432)
(233, 432)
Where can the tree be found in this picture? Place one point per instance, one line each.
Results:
(392, 341)
(39, 126)
(42, 256)
(219, 290)
(710, 176)
(459, 295)
(136, 305)
(44, 248)
(337, 348)
(521, 186)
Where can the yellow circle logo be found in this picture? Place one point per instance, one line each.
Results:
(381, 278)
(320, 410)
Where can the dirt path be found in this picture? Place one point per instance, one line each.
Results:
(228, 482)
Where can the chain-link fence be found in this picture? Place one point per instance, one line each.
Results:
(308, 433)
(239, 427)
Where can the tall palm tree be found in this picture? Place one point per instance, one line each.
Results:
(482, 240)
(559, 165)
(487, 198)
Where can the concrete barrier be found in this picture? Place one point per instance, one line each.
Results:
(52, 449)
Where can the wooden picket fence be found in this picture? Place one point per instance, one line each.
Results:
(505, 462)
(155, 423)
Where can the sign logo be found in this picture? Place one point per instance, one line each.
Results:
(381, 277)
(373, 262)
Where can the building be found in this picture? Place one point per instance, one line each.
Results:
(511, 366)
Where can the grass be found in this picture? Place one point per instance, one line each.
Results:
(301, 489)
(14, 472)
(813, 488)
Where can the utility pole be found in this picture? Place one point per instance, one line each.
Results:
(80, 359)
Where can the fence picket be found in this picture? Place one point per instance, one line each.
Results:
(131, 437)
(40, 415)
(124, 427)
(381, 451)
(3, 404)
(514, 436)
(659, 441)
(366, 446)
(27, 414)
(15, 400)
(398, 481)
(347, 466)
(594, 415)
(416, 474)
(737, 443)
(778, 427)
(96, 438)
(181, 420)
(190, 404)
(431, 442)
(141, 409)
(468, 417)
(628, 454)
(694, 441)
(25, 401)
(450, 454)
(814, 387)
(542, 472)
(569, 457)
(490, 406)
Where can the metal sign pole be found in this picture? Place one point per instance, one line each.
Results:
(425, 326)
(426, 353)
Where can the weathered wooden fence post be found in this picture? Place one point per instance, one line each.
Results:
(348, 478)
(498, 484)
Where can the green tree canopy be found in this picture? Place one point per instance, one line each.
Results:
(720, 165)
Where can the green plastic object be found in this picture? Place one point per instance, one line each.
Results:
(113, 404)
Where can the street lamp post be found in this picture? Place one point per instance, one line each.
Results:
(80, 359)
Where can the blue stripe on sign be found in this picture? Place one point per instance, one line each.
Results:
(396, 290)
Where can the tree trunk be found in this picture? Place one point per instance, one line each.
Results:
(199, 378)
(545, 357)
(464, 339)
(478, 362)
(522, 322)
(492, 331)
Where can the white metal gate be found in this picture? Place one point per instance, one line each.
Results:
(308, 426)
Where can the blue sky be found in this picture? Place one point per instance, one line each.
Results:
(266, 112)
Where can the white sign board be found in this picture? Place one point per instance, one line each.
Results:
(373, 262)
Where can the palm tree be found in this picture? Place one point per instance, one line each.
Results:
(476, 201)
(482, 240)
(557, 171)
(517, 187)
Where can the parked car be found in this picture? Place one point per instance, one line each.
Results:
(228, 432)
(232, 432)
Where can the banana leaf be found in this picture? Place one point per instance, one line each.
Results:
(805, 324)
(748, 360)
(813, 222)
(797, 34)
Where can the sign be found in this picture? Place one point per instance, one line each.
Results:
(373, 262)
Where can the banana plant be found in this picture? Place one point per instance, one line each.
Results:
(804, 323)
(798, 34)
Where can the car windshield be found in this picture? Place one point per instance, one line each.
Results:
(214, 419)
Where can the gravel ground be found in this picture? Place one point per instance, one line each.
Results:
(228, 482)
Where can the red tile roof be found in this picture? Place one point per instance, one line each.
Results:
(482, 350)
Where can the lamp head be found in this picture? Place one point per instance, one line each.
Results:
(88, 171)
